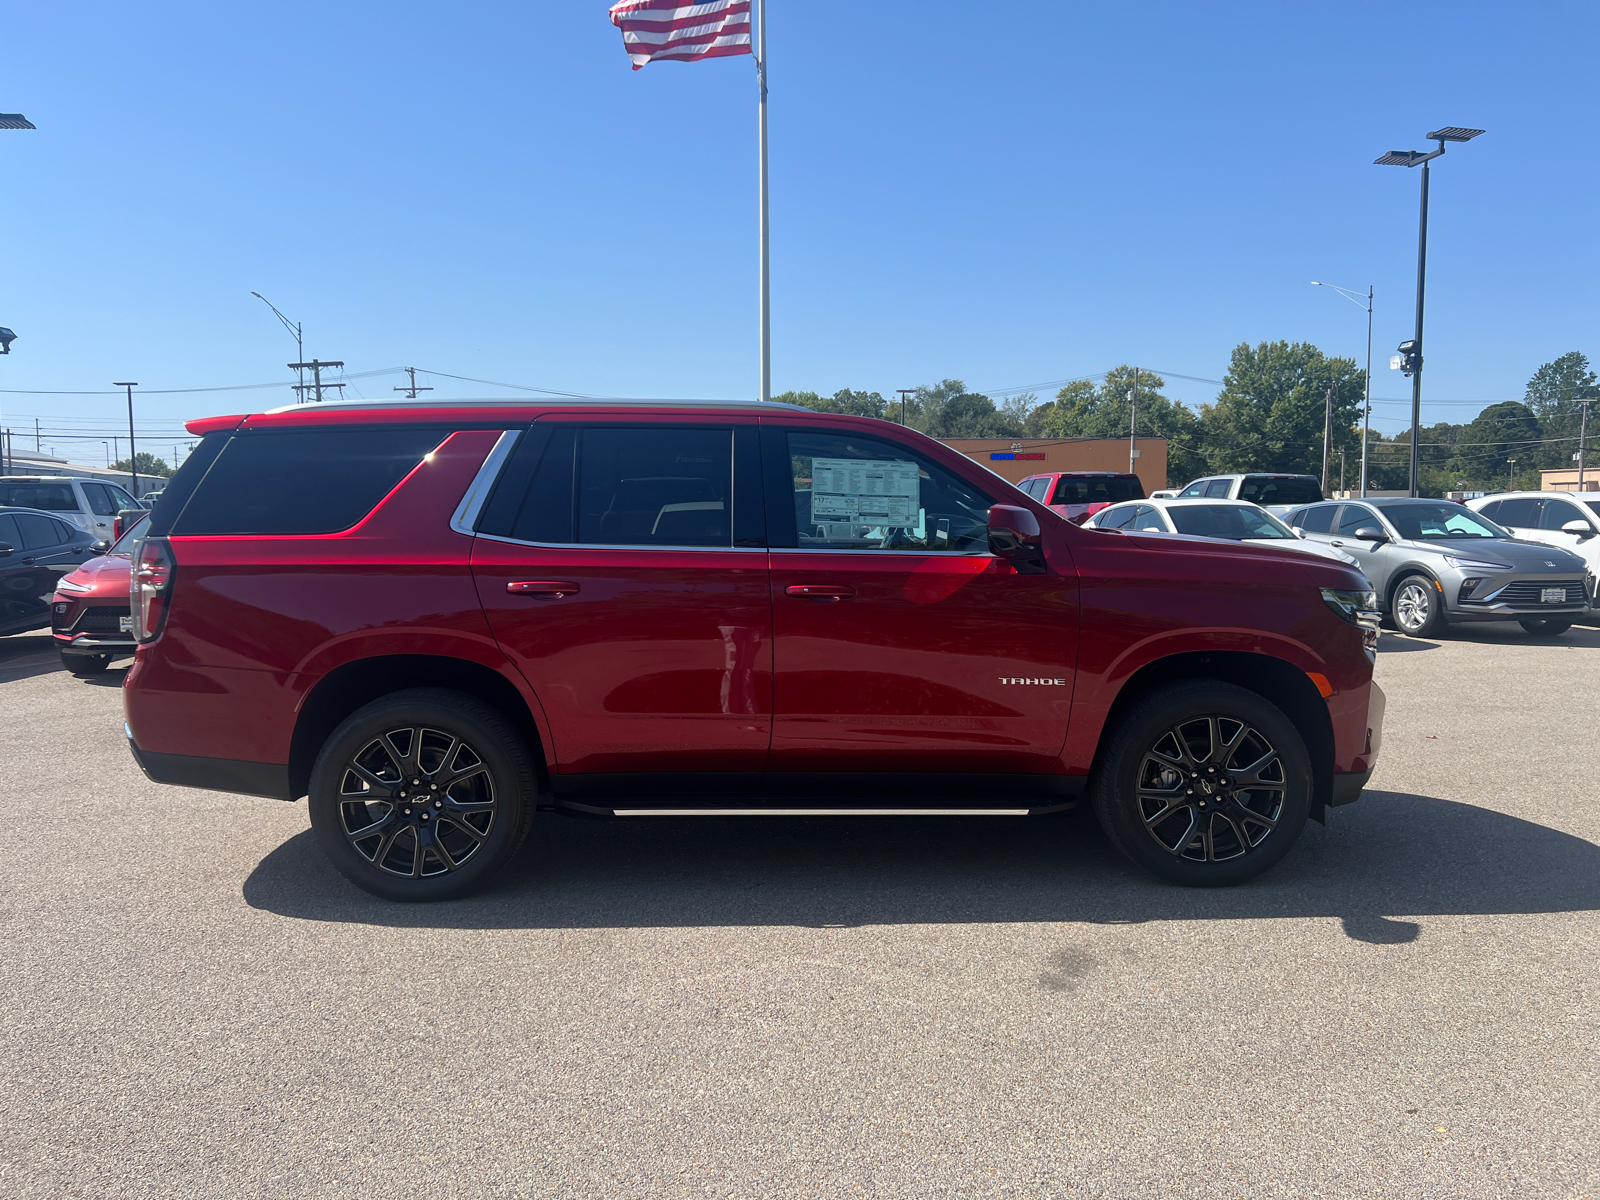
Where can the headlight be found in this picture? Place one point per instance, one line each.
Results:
(66, 585)
(1472, 564)
(1358, 608)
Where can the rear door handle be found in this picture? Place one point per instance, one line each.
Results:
(542, 589)
(829, 592)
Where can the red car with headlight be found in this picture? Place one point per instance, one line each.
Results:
(90, 616)
(438, 619)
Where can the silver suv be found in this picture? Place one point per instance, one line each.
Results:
(1432, 562)
(90, 504)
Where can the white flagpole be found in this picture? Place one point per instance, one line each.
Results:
(766, 293)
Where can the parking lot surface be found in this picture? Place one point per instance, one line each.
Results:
(198, 1005)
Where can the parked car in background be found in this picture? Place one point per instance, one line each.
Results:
(1275, 493)
(435, 618)
(90, 504)
(1570, 520)
(1432, 562)
(1080, 494)
(36, 550)
(1165, 494)
(89, 614)
(1230, 520)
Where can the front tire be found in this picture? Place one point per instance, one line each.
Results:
(1546, 626)
(422, 795)
(1204, 784)
(85, 665)
(1418, 607)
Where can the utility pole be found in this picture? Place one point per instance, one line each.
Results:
(904, 392)
(1327, 438)
(1341, 471)
(36, 449)
(316, 385)
(133, 457)
(1513, 463)
(411, 389)
(1583, 436)
(1133, 424)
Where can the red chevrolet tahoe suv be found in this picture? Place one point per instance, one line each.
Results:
(436, 619)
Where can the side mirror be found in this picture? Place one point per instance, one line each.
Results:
(1014, 536)
(5, 549)
(1582, 528)
(1299, 532)
(1370, 533)
(101, 546)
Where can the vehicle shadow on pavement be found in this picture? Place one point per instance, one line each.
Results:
(1390, 856)
(24, 655)
(1393, 643)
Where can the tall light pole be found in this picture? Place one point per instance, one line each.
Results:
(1410, 357)
(133, 455)
(1583, 436)
(300, 345)
(1366, 420)
(1513, 463)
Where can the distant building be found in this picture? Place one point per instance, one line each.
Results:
(1566, 479)
(1017, 458)
(32, 462)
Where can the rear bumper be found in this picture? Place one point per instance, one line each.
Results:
(214, 774)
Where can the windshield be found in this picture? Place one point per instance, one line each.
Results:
(1232, 521)
(1290, 489)
(1432, 521)
(1097, 489)
(1594, 506)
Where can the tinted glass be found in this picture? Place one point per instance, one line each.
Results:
(1097, 489)
(1558, 512)
(1594, 505)
(9, 533)
(859, 493)
(1355, 516)
(100, 503)
(39, 532)
(1316, 519)
(1149, 518)
(51, 497)
(1119, 517)
(183, 483)
(1267, 490)
(1197, 488)
(303, 481)
(1217, 489)
(546, 514)
(1522, 513)
(1421, 520)
(1231, 521)
(655, 486)
(1492, 510)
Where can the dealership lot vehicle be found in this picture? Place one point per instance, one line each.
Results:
(1080, 494)
(1275, 493)
(89, 614)
(36, 550)
(89, 504)
(1433, 562)
(1231, 520)
(427, 618)
(1569, 520)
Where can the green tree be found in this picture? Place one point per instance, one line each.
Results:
(948, 410)
(1083, 410)
(1551, 394)
(844, 401)
(1269, 414)
(148, 464)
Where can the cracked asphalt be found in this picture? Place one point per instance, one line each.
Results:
(198, 1006)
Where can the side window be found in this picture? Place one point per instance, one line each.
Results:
(1197, 488)
(121, 497)
(655, 485)
(1149, 519)
(1317, 519)
(9, 533)
(1522, 513)
(1217, 489)
(1557, 513)
(1036, 488)
(1492, 510)
(1117, 518)
(99, 498)
(37, 532)
(1356, 516)
(51, 497)
(858, 493)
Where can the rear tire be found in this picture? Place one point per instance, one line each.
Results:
(84, 665)
(1546, 626)
(1418, 607)
(1174, 788)
(423, 795)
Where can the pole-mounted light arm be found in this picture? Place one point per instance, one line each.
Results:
(294, 330)
(1359, 299)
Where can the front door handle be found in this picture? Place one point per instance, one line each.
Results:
(830, 593)
(1336, 543)
(542, 589)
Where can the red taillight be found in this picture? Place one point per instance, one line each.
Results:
(150, 590)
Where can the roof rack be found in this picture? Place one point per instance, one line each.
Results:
(543, 402)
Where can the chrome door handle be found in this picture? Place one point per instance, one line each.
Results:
(542, 589)
(1335, 543)
(829, 593)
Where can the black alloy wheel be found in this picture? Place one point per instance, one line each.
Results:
(84, 665)
(422, 795)
(1546, 626)
(1204, 783)
(1418, 607)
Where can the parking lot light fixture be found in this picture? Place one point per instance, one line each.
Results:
(1416, 158)
(133, 458)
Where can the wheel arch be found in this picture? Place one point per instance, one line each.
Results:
(1279, 682)
(346, 688)
(1400, 574)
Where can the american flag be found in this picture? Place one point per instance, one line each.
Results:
(653, 29)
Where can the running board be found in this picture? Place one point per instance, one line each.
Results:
(594, 810)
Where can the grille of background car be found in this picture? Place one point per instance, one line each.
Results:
(100, 620)
(1527, 591)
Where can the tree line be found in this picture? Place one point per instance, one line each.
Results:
(1268, 416)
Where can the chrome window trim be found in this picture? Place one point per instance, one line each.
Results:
(876, 550)
(511, 541)
(467, 512)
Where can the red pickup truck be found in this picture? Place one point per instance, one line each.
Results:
(438, 619)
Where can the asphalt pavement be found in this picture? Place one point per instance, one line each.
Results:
(1405, 1007)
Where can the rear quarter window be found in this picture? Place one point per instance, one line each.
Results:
(302, 481)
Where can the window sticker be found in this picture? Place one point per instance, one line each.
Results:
(864, 491)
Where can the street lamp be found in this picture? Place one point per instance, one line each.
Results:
(300, 346)
(133, 455)
(1355, 298)
(1410, 358)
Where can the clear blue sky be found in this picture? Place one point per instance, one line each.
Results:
(1009, 194)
